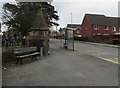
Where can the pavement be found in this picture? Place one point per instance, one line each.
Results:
(100, 44)
(62, 68)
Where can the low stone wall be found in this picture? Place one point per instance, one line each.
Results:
(7, 55)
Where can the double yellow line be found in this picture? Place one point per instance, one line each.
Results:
(110, 60)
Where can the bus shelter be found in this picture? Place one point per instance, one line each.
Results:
(68, 42)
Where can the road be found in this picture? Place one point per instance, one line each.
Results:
(62, 68)
(99, 51)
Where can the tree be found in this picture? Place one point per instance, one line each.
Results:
(21, 15)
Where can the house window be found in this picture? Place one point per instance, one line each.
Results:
(99, 34)
(78, 31)
(106, 34)
(114, 29)
(106, 28)
(96, 27)
(119, 29)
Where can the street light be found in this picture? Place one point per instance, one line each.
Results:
(71, 18)
(73, 31)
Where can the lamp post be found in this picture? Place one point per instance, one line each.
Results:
(73, 31)
(71, 18)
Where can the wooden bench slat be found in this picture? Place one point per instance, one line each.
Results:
(36, 53)
(25, 52)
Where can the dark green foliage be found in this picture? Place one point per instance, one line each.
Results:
(116, 41)
(81, 38)
(20, 16)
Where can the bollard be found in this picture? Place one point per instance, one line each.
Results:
(41, 51)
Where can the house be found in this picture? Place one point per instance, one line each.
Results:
(100, 28)
(76, 28)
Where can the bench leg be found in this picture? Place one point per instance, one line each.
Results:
(32, 58)
(35, 57)
(21, 60)
(17, 61)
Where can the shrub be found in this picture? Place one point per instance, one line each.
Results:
(81, 38)
(116, 41)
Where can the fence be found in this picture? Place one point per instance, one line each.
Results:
(12, 42)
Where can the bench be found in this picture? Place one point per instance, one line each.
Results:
(25, 52)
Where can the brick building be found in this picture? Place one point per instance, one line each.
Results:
(100, 28)
(77, 29)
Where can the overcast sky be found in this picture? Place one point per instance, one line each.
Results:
(78, 8)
